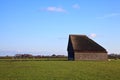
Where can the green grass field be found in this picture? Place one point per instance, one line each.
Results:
(59, 70)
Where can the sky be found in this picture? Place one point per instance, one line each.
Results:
(42, 27)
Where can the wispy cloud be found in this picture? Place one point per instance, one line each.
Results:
(109, 15)
(76, 6)
(93, 35)
(54, 9)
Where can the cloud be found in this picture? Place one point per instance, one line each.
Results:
(109, 15)
(54, 9)
(93, 35)
(76, 6)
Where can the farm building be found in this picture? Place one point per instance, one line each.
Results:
(80, 47)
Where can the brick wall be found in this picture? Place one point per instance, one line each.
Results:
(90, 56)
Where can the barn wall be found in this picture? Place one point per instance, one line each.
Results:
(90, 56)
(70, 55)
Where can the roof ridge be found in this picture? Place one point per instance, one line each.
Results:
(77, 35)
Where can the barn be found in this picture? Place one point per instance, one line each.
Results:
(80, 47)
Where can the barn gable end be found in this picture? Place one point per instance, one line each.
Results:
(80, 47)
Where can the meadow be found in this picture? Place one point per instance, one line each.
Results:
(59, 70)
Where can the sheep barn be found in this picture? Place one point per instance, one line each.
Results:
(80, 47)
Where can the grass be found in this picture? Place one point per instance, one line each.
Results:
(59, 70)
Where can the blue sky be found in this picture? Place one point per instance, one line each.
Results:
(43, 26)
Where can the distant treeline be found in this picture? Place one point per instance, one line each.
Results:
(38, 56)
(30, 56)
(114, 56)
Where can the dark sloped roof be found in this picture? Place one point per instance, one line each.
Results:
(84, 44)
